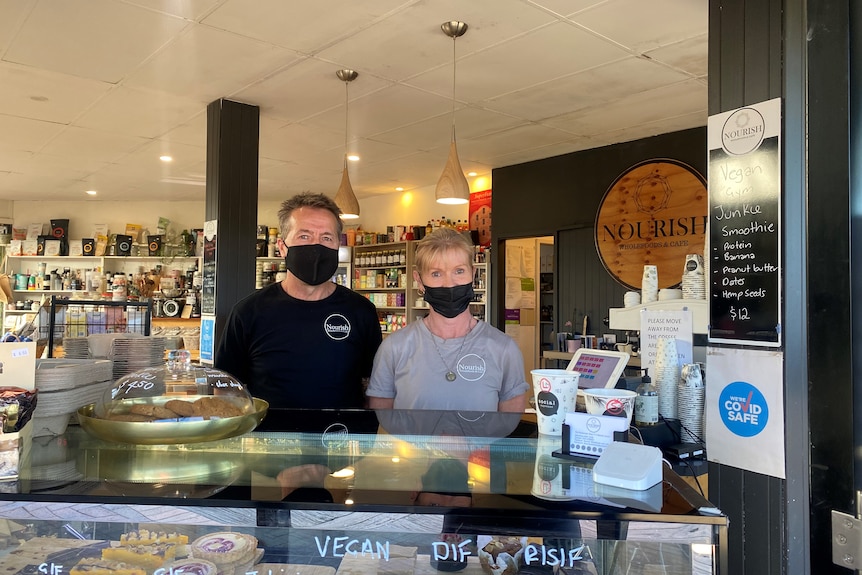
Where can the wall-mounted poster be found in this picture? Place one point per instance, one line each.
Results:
(744, 280)
(744, 409)
(480, 216)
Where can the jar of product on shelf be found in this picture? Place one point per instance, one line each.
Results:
(273, 236)
(118, 287)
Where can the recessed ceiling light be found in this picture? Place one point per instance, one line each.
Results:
(90, 192)
(399, 189)
(353, 158)
(166, 158)
(471, 174)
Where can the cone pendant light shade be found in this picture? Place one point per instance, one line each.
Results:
(345, 199)
(452, 187)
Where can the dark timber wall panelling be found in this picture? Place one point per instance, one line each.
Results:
(588, 287)
(560, 197)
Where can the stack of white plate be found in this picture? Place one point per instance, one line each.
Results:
(132, 354)
(64, 385)
(100, 343)
(76, 348)
(52, 464)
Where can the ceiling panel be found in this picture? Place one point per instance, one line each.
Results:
(99, 39)
(188, 9)
(644, 107)
(109, 85)
(646, 25)
(45, 95)
(430, 133)
(138, 112)
(285, 94)
(688, 55)
(301, 25)
(411, 41)
(561, 48)
(207, 64)
(385, 110)
(25, 134)
(93, 145)
(586, 89)
(13, 160)
(12, 15)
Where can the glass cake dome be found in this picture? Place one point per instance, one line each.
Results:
(178, 402)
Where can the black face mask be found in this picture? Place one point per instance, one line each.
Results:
(449, 301)
(314, 264)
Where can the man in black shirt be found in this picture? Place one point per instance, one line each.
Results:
(304, 342)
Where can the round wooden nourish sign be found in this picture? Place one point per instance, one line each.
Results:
(655, 213)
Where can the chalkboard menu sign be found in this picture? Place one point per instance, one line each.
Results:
(744, 225)
(208, 298)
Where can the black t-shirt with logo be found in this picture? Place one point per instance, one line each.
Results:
(301, 354)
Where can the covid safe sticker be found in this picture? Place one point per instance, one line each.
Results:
(743, 409)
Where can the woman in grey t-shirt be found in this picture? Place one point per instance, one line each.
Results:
(449, 359)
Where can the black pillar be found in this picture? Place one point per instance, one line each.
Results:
(231, 199)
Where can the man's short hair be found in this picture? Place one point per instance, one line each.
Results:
(307, 200)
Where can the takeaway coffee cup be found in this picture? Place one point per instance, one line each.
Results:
(549, 472)
(614, 402)
(555, 392)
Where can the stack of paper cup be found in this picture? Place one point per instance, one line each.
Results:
(631, 299)
(666, 294)
(649, 284)
(694, 278)
(690, 398)
(666, 370)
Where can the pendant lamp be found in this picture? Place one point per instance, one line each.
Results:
(344, 197)
(452, 187)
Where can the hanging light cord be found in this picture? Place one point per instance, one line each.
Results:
(454, 60)
(346, 113)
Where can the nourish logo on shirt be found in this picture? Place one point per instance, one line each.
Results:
(471, 367)
(336, 326)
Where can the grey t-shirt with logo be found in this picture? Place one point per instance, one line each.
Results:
(411, 366)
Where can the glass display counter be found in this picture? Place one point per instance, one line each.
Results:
(346, 493)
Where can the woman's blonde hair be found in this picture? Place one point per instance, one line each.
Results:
(438, 242)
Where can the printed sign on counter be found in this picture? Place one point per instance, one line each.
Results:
(745, 225)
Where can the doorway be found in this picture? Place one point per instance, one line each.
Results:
(528, 297)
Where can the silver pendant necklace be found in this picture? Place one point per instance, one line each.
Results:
(450, 373)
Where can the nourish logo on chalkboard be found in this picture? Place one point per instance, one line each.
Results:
(742, 132)
(655, 213)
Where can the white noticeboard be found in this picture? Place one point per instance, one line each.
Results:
(655, 324)
(745, 409)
